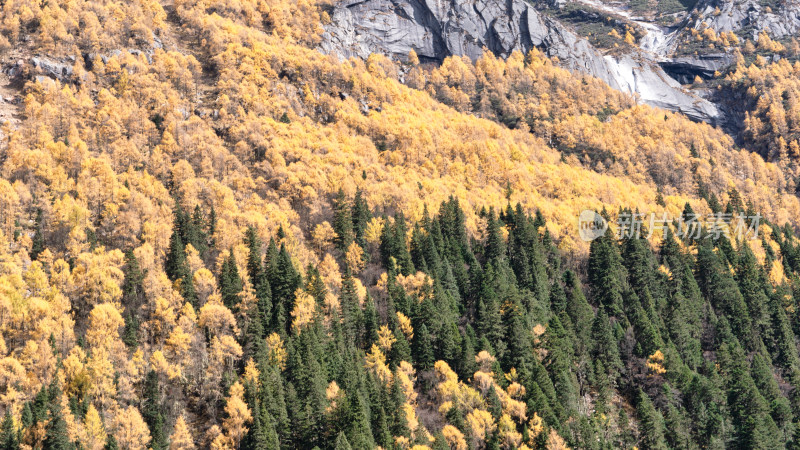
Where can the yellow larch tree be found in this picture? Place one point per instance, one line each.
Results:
(181, 438)
(237, 414)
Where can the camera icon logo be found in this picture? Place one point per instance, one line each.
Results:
(591, 225)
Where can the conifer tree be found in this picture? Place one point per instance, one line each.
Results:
(681, 334)
(578, 310)
(753, 426)
(423, 349)
(651, 423)
(194, 233)
(606, 274)
(175, 265)
(605, 347)
(495, 247)
(751, 284)
(254, 264)
(779, 406)
(393, 248)
(132, 297)
(342, 221)
(401, 349)
(8, 434)
(111, 442)
(719, 287)
(56, 435)
(284, 280)
(37, 244)
(559, 362)
(647, 337)
(782, 338)
(151, 411)
(230, 283)
(341, 442)
(361, 216)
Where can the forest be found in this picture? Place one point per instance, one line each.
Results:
(214, 236)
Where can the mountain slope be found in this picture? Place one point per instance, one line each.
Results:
(435, 30)
(212, 235)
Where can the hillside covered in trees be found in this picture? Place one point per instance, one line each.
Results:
(212, 235)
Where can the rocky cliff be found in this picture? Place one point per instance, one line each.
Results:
(781, 19)
(435, 29)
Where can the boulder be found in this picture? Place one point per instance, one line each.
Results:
(54, 69)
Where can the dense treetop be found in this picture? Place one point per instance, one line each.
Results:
(214, 236)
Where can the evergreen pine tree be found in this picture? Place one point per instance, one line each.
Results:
(194, 233)
(111, 442)
(423, 349)
(37, 245)
(254, 265)
(361, 217)
(718, 285)
(651, 424)
(8, 434)
(495, 247)
(284, 280)
(606, 273)
(342, 221)
(151, 411)
(56, 435)
(753, 426)
(341, 442)
(230, 283)
(605, 347)
(175, 265)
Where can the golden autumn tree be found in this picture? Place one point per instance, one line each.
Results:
(181, 438)
(130, 430)
(238, 415)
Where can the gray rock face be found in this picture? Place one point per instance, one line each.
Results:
(654, 87)
(436, 29)
(56, 69)
(686, 68)
(735, 15)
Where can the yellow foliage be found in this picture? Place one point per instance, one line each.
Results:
(373, 231)
(405, 325)
(323, 236)
(418, 285)
(130, 430)
(304, 310)
(629, 39)
(95, 431)
(332, 394)
(485, 360)
(481, 425)
(385, 338)
(535, 428)
(237, 414)
(509, 435)
(217, 318)
(181, 438)
(376, 362)
(454, 437)
(355, 258)
(555, 442)
(277, 352)
(655, 363)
